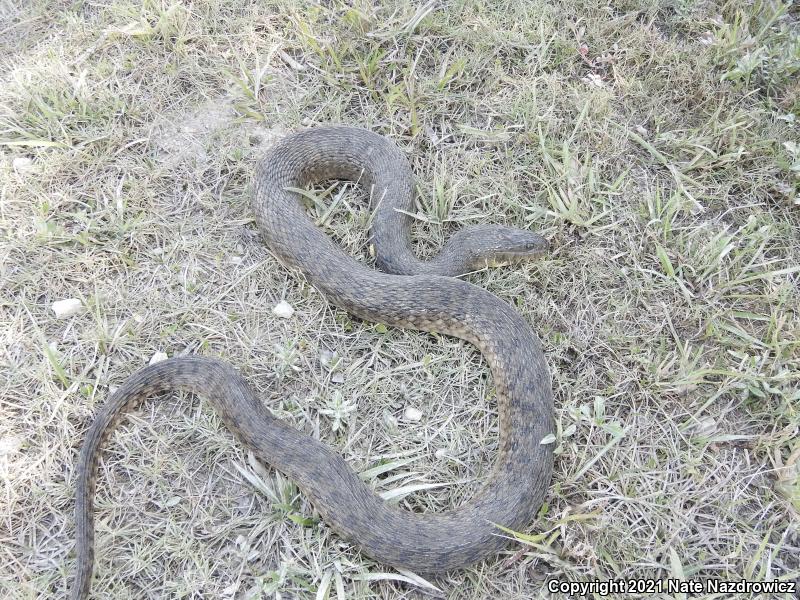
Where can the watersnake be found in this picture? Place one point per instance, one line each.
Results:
(405, 292)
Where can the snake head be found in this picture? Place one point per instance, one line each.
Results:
(495, 245)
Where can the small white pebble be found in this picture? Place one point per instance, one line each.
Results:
(158, 357)
(593, 79)
(440, 453)
(10, 445)
(67, 308)
(412, 414)
(235, 260)
(707, 38)
(283, 310)
(138, 318)
(22, 164)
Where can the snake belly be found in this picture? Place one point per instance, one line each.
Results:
(406, 292)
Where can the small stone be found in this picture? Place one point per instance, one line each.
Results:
(22, 164)
(412, 414)
(440, 453)
(67, 308)
(707, 38)
(10, 445)
(593, 79)
(283, 310)
(158, 357)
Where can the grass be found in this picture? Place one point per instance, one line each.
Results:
(656, 146)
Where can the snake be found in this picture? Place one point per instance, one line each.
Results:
(401, 291)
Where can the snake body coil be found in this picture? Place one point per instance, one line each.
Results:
(405, 292)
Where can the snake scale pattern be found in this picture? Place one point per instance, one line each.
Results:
(402, 292)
